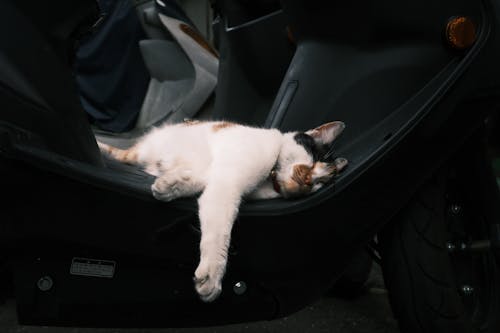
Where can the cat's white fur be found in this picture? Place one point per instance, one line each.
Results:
(225, 162)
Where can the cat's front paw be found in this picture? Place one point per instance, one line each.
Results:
(165, 190)
(208, 282)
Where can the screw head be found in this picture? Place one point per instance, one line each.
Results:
(45, 283)
(240, 288)
(455, 209)
(467, 290)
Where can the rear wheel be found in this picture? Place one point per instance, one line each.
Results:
(440, 273)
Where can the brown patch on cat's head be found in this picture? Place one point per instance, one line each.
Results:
(221, 125)
(301, 174)
(300, 183)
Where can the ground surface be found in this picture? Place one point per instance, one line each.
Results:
(369, 313)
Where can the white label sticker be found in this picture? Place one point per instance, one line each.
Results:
(92, 267)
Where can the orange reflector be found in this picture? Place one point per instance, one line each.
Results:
(460, 32)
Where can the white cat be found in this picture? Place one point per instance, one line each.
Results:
(225, 162)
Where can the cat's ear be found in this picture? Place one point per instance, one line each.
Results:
(325, 134)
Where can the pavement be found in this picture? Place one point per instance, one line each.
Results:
(368, 313)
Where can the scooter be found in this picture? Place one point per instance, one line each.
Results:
(86, 244)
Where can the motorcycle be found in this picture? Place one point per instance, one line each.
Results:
(86, 244)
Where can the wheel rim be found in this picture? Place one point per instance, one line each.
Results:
(475, 269)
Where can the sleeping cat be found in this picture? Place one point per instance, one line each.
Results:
(225, 162)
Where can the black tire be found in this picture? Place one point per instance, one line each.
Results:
(425, 271)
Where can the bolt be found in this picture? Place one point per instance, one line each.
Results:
(455, 209)
(467, 290)
(45, 283)
(240, 288)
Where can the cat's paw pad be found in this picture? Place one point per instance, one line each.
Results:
(207, 285)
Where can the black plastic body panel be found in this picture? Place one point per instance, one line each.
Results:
(37, 89)
(254, 58)
(409, 102)
(287, 261)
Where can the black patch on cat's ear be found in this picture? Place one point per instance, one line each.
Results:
(309, 145)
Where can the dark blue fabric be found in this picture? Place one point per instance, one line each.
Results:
(111, 74)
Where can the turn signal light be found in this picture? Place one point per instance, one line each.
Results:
(460, 32)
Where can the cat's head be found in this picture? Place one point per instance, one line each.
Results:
(300, 169)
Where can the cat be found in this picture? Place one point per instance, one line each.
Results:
(226, 162)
